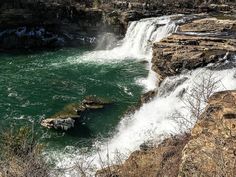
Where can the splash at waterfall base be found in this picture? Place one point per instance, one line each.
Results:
(209, 148)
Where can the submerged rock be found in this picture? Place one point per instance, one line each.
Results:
(92, 102)
(73, 114)
(147, 97)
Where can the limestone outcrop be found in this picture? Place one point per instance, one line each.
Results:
(209, 25)
(213, 41)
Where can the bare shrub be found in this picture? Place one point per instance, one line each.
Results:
(195, 101)
(21, 154)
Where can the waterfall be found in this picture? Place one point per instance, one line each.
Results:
(137, 42)
(137, 45)
(141, 34)
(152, 119)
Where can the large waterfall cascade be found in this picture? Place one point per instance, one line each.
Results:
(151, 120)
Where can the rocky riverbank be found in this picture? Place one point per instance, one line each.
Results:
(209, 148)
(54, 24)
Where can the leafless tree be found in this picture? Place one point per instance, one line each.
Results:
(195, 101)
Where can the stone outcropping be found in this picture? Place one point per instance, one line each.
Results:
(212, 148)
(209, 25)
(159, 161)
(73, 114)
(214, 42)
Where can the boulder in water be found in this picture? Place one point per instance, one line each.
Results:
(62, 123)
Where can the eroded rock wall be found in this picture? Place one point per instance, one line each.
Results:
(77, 22)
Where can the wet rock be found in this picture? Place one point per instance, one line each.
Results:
(74, 114)
(28, 38)
(93, 102)
(212, 147)
(147, 97)
(60, 123)
(170, 84)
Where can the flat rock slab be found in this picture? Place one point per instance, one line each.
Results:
(209, 25)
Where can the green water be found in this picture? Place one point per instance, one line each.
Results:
(36, 86)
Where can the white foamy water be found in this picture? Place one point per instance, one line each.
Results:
(152, 119)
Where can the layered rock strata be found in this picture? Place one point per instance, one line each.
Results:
(195, 45)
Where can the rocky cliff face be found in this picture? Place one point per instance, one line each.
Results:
(194, 45)
(158, 161)
(47, 25)
(210, 149)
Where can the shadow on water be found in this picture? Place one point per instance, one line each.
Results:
(79, 131)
